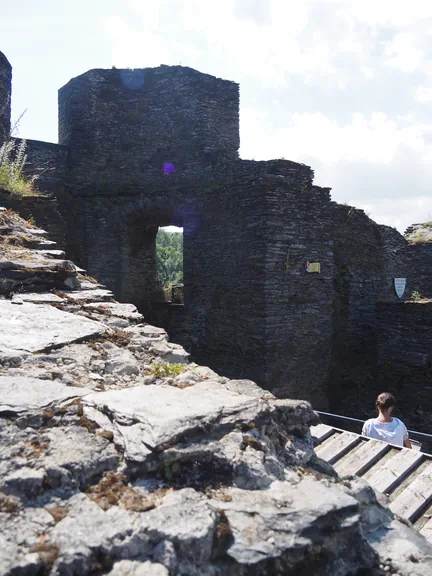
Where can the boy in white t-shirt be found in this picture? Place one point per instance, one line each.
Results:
(385, 427)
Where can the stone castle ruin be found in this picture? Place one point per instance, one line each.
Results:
(281, 284)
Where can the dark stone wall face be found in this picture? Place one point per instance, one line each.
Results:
(251, 310)
(224, 282)
(367, 257)
(419, 257)
(5, 97)
(44, 210)
(124, 127)
(254, 310)
(298, 304)
(48, 162)
(115, 240)
(147, 148)
(404, 334)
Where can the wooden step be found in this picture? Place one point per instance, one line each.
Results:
(337, 446)
(416, 496)
(394, 471)
(361, 459)
(322, 432)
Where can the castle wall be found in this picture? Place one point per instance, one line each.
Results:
(254, 310)
(420, 258)
(126, 127)
(404, 334)
(140, 149)
(298, 304)
(45, 212)
(224, 277)
(48, 162)
(5, 97)
(367, 257)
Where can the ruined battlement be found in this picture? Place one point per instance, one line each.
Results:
(280, 282)
(122, 125)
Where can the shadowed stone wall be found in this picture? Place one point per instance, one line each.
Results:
(44, 210)
(123, 127)
(5, 97)
(48, 162)
(367, 257)
(419, 255)
(140, 149)
(404, 334)
(297, 303)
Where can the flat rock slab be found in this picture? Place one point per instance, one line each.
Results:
(30, 328)
(37, 265)
(151, 417)
(41, 244)
(282, 521)
(127, 311)
(59, 254)
(86, 285)
(38, 232)
(37, 298)
(133, 568)
(20, 394)
(84, 296)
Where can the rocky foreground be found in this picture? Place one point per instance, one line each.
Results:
(119, 457)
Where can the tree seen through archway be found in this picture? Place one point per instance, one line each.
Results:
(169, 250)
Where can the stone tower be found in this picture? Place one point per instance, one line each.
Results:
(123, 127)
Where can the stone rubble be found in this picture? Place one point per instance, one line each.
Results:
(119, 457)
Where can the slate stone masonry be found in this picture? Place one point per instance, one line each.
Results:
(404, 333)
(44, 210)
(140, 149)
(121, 126)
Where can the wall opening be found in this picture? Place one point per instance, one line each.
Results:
(169, 261)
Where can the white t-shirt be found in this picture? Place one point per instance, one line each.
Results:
(394, 432)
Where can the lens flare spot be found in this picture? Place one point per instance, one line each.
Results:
(168, 168)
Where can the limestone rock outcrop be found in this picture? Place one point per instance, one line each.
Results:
(119, 457)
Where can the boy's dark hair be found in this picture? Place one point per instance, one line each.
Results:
(385, 400)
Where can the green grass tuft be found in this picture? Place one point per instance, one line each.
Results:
(167, 370)
(12, 162)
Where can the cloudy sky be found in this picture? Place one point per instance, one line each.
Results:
(344, 86)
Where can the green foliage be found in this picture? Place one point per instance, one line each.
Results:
(169, 247)
(167, 370)
(415, 296)
(12, 161)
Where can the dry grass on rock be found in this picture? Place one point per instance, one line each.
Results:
(113, 490)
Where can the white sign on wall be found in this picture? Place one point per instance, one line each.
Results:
(399, 284)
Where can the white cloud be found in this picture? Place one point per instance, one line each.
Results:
(397, 13)
(423, 94)
(367, 72)
(375, 140)
(403, 53)
(393, 211)
(334, 83)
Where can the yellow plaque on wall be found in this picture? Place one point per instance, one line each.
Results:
(313, 267)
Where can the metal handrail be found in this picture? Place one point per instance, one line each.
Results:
(362, 422)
